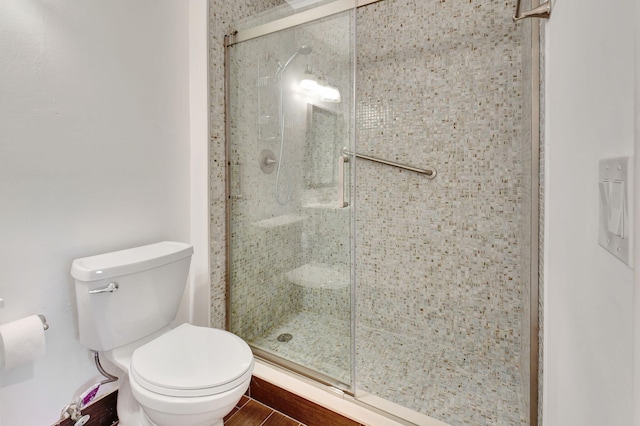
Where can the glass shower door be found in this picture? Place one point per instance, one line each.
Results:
(290, 115)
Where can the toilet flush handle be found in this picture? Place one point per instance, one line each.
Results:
(108, 289)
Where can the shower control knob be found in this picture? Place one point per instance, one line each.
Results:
(267, 161)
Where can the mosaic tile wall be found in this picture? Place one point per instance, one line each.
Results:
(441, 262)
(541, 230)
(222, 14)
(525, 228)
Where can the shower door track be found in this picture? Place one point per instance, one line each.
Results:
(295, 20)
(309, 373)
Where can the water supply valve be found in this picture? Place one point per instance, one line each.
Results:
(72, 411)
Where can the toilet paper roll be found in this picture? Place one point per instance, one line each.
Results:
(21, 342)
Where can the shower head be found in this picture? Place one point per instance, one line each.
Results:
(305, 49)
(302, 50)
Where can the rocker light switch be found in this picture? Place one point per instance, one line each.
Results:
(616, 208)
(614, 216)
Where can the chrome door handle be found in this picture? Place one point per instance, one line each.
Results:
(343, 158)
(112, 287)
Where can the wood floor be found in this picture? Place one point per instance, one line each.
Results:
(250, 412)
(266, 404)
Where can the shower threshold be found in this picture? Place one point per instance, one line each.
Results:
(367, 410)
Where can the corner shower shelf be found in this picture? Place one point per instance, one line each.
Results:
(279, 221)
(322, 289)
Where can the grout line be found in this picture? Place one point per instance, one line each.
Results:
(232, 416)
(245, 403)
(239, 408)
(276, 411)
(270, 414)
(291, 418)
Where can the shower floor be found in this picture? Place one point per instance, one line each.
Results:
(319, 342)
(457, 388)
(444, 383)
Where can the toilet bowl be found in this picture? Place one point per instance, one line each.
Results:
(185, 376)
(188, 376)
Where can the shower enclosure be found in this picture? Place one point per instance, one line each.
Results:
(408, 290)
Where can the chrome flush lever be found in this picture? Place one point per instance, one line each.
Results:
(112, 287)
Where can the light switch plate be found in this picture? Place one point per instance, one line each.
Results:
(613, 186)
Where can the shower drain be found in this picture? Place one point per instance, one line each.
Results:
(284, 337)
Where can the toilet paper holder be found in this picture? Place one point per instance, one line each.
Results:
(42, 317)
(44, 321)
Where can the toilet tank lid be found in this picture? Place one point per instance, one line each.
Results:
(117, 263)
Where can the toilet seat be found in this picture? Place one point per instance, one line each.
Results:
(191, 361)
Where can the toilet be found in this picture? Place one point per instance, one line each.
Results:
(187, 375)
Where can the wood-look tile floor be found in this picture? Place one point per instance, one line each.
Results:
(249, 412)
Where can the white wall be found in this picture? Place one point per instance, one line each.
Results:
(636, 287)
(199, 301)
(589, 294)
(94, 156)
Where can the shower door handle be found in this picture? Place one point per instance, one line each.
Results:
(342, 159)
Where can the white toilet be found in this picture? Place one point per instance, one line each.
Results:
(187, 376)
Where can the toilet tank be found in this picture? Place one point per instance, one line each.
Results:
(150, 281)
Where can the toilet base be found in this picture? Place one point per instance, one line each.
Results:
(129, 410)
(132, 413)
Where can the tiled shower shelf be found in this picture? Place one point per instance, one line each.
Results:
(319, 275)
(278, 221)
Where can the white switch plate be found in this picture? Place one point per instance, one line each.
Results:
(614, 181)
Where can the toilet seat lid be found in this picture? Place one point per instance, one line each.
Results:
(192, 361)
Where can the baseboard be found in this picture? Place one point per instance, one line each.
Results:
(295, 406)
(102, 412)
